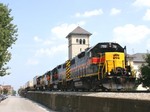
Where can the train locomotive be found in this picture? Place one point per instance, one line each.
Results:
(101, 67)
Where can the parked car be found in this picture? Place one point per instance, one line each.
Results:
(2, 97)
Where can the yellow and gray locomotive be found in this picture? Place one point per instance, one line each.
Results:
(103, 66)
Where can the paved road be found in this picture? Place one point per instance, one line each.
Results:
(18, 104)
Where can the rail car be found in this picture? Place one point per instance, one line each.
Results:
(103, 66)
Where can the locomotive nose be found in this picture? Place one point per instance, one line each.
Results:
(118, 83)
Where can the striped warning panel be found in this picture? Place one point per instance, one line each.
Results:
(68, 69)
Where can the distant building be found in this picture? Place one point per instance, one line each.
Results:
(7, 87)
(1, 89)
(136, 60)
(78, 41)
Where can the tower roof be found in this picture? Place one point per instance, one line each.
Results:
(139, 57)
(80, 31)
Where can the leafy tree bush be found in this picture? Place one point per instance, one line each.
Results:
(145, 71)
(14, 93)
(7, 37)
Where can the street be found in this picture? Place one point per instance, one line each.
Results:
(19, 104)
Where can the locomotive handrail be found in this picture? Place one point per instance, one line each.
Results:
(103, 69)
(99, 68)
(114, 66)
(99, 65)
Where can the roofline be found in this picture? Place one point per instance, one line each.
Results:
(78, 31)
(68, 36)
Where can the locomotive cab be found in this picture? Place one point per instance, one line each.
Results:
(113, 73)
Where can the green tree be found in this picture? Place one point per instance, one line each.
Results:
(145, 70)
(8, 34)
(14, 93)
(5, 91)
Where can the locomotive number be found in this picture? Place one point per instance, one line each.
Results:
(116, 56)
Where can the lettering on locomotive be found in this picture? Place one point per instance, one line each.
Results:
(116, 56)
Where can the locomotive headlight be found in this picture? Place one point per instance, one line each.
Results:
(129, 73)
(109, 73)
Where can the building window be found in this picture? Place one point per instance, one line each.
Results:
(83, 41)
(80, 41)
(77, 40)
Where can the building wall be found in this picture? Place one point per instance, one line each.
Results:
(137, 66)
(77, 44)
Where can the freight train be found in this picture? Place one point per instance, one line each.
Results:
(101, 67)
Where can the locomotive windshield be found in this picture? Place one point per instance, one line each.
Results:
(106, 47)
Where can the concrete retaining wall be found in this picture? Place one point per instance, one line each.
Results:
(73, 103)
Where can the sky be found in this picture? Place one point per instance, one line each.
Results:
(44, 24)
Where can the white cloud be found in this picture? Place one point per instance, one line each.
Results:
(147, 15)
(95, 12)
(148, 44)
(57, 43)
(52, 51)
(43, 41)
(81, 23)
(32, 62)
(115, 11)
(37, 39)
(63, 30)
(48, 42)
(142, 3)
(130, 33)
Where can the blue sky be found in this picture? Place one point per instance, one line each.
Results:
(44, 24)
